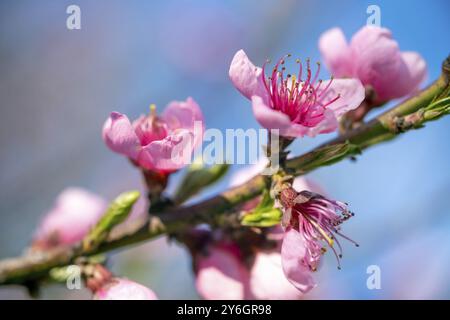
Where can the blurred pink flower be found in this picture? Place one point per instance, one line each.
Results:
(375, 58)
(221, 275)
(73, 214)
(310, 220)
(159, 143)
(123, 289)
(267, 280)
(293, 105)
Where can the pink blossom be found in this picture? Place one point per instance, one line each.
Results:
(162, 143)
(123, 289)
(375, 58)
(311, 221)
(293, 253)
(294, 105)
(267, 280)
(221, 275)
(73, 214)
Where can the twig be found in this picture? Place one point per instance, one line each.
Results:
(33, 266)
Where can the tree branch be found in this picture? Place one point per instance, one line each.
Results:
(385, 127)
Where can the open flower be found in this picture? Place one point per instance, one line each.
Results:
(159, 143)
(375, 58)
(311, 221)
(74, 213)
(294, 105)
(123, 289)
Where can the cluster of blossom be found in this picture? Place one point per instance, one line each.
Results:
(271, 263)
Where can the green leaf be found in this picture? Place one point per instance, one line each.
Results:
(264, 215)
(437, 109)
(118, 211)
(197, 178)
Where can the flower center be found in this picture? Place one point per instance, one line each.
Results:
(318, 219)
(150, 128)
(302, 100)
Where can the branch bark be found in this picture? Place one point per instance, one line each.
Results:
(32, 266)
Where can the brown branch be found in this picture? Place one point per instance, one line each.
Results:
(33, 266)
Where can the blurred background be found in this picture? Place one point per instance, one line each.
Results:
(58, 86)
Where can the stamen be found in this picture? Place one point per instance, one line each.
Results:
(297, 98)
(152, 110)
(317, 74)
(321, 231)
(293, 83)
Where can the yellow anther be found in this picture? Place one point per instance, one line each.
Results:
(153, 109)
(294, 81)
(321, 231)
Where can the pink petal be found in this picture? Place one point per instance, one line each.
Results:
(412, 74)
(351, 93)
(377, 59)
(148, 129)
(417, 68)
(273, 119)
(182, 114)
(221, 275)
(302, 183)
(293, 250)
(328, 124)
(169, 154)
(336, 52)
(267, 280)
(246, 77)
(123, 289)
(74, 213)
(185, 115)
(119, 135)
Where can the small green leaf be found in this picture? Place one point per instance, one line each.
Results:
(60, 274)
(197, 178)
(118, 211)
(437, 109)
(264, 215)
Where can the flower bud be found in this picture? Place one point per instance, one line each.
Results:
(123, 289)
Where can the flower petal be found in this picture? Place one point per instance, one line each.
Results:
(168, 154)
(293, 251)
(412, 74)
(377, 59)
(417, 68)
(336, 52)
(182, 114)
(119, 135)
(267, 280)
(220, 275)
(351, 93)
(269, 118)
(302, 183)
(123, 289)
(75, 212)
(246, 77)
(185, 115)
(328, 124)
